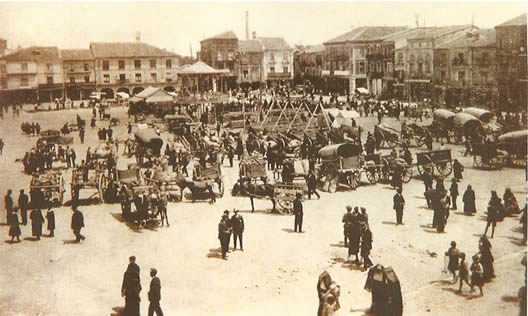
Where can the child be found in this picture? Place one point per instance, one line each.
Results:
(463, 272)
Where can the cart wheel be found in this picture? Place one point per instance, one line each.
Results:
(392, 142)
(444, 168)
(373, 175)
(420, 141)
(285, 206)
(332, 186)
(497, 162)
(354, 180)
(478, 162)
(407, 174)
(385, 169)
(102, 186)
(423, 168)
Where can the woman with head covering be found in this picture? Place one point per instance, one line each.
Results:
(469, 201)
(14, 228)
(510, 203)
(486, 259)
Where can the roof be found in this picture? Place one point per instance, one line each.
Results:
(517, 21)
(127, 49)
(366, 33)
(315, 49)
(152, 95)
(486, 38)
(75, 54)
(34, 53)
(225, 35)
(274, 43)
(433, 32)
(249, 46)
(199, 68)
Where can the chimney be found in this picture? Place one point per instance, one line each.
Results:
(254, 35)
(138, 36)
(247, 25)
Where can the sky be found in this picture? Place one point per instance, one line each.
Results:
(177, 26)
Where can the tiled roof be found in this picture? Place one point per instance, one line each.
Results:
(486, 38)
(434, 32)
(131, 49)
(34, 53)
(274, 43)
(366, 33)
(249, 46)
(225, 35)
(76, 54)
(520, 20)
(315, 49)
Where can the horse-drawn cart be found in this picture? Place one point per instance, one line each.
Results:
(436, 159)
(392, 164)
(47, 186)
(515, 144)
(488, 156)
(284, 194)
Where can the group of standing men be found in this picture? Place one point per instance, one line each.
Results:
(234, 225)
(356, 232)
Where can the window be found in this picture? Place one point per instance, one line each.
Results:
(154, 76)
(122, 77)
(106, 78)
(272, 56)
(285, 56)
(461, 75)
(219, 56)
(138, 77)
(272, 69)
(49, 67)
(121, 65)
(246, 73)
(24, 82)
(427, 67)
(137, 64)
(460, 57)
(443, 74)
(49, 79)
(230, 55)
(168, 63)
(400, 58)
(361, 67)
(24, 66)
(72, 68)
(72, 79)
(168, 77)
(86, 67)
(153, 63)
(3, 68)
(484, 76)
(285, 70)
(106, 65)
(4, 83)
(86, 78)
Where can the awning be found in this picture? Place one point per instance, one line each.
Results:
(123, 95)
(362, 90)
(418, 80)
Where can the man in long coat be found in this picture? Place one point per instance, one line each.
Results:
(36, 223)
(23, 204)
(8, 203)
(398, 205)
(77, 223)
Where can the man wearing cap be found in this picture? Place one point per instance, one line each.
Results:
(237, 224)
(154, 294)
(398, 204)
(298, 212)
(23, 204)
(223, 234)
(347, 223)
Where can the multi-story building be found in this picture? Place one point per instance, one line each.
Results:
(277, 61)
(511, 62)
(131, 67)
(219, 52)
(3, 46)
(418, 54)
(465, 67)
(346, 56)
(250, 71)
(79, 73)
(308, 65)
(32, 74)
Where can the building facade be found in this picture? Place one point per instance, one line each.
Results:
(249, 65)
(131, 67)
(78, 67)
(308, 66)
(220, 52)
(346, 63)
(32, 75)
(277, 61)
(511, 63)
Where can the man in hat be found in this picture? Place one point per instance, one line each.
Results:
(154, 294)
(453, 191)
(363, 217)
(223, 234)
(311, 182)
(8, 203)
(237, 223)
(36, 223)
(23, 204)
(298, 212)
(458, 168)
(398, 204)
(77, 223)
(347, 223)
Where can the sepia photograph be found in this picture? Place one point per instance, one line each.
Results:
(263, 158)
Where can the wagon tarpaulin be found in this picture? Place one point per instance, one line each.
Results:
(339, 150)
(483, 115)
(148, 138)
(514, 137)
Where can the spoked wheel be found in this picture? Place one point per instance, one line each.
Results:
(407, 174)
(478, 162)
(497, 162)
(285, 206)
(385, 170)
(102, 186)
(423, 168)
(373, 175)
(444, 168)
(332, 187)
(353, 179)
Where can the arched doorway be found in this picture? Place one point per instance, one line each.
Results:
(169, 89)
(125, 90)
(137, 90)
(108, 93)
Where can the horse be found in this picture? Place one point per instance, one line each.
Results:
(244, 187)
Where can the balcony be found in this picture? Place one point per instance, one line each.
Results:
(375, 74)
(122, 81)
(279, 75)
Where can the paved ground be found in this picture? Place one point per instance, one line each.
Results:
(275, 275)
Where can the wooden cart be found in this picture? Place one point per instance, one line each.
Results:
(285, 193)
(488, 156)
(47, 186)
(436, 159)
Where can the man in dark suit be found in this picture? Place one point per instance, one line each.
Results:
(298, 212)
(223, 235)
(237, 223)
(399, 203)
(8, 202)
(23, 204)
(154, 294)
(453, 191)
(77, 223)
